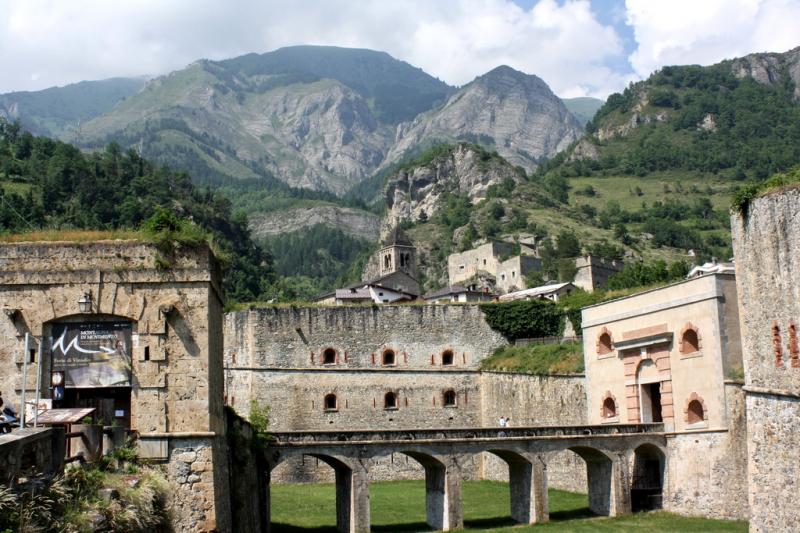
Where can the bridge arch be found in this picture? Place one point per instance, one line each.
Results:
(599, 474)
(647, 479)
(352, 491)
(443, 506)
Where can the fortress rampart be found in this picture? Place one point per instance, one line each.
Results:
(767, 251)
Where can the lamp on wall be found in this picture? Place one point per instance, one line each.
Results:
(85, 302)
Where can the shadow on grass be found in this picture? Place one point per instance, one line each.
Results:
(572, 514)
(277, 527)
(480, 523)
(412, 526)
(489, 523)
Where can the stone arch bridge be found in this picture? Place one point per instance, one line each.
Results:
(618, 459)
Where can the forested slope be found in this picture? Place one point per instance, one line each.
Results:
(46, 183)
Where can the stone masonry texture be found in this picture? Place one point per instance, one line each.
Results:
(766, 241)
(176, 321)
(275, 356)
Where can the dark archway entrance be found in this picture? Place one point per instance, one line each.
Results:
(647, 481)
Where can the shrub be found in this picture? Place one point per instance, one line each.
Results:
(524, 319)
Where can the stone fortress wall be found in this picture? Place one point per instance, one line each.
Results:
(293, 358)
(767, 250)
(175, 317)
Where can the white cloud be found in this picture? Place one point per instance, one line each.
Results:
(456, 40)
(703, 32)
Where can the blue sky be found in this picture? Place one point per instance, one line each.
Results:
(579, 47)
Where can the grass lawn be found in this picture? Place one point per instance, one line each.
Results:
(400, 506)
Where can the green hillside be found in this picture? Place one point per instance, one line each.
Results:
(47, 184)
(58, 111)
(695, 119)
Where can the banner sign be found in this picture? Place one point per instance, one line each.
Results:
(93, 354)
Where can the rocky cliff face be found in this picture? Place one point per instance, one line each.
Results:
(770, 68)
(322, 118)
(318, 135)
(356, 223)
(515, 113)
(465, 170)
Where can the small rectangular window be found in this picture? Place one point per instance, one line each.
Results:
(146, 353)
(32, 358)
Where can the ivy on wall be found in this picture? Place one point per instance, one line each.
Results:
(524, 319)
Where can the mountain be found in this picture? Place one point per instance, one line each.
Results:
(314, 117)
(59, 111)
(353, 222)
(323, 118)
(396, 90)
(50, 185)
(506, 110)
(583, 108)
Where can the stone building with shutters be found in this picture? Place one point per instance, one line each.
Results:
(673, 355)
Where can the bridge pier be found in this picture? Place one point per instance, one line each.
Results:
(443, 505)
(352, 498)
(620, 487)
(609, 483)
(528, 484)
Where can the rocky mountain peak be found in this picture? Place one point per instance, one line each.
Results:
(505, 110)
(504, 79)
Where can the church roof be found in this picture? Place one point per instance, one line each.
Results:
(397, 237)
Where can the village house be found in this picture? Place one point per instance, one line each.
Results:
(458, 294)
(551, 291)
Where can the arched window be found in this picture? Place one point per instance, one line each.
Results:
(329, 356)
(695, 412)
(390, 401)
(449, 397)
(604, 343)
(447, 357)
(387, 261)
(609, 408)
(690, 342)
(388, 357)
(330, 402)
